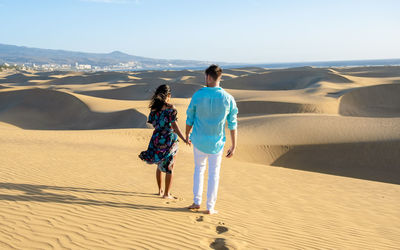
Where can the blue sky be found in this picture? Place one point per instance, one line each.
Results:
(221, 30)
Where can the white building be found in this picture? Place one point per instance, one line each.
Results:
(83, 66)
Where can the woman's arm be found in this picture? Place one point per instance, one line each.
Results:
(177, 130)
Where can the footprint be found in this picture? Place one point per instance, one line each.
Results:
(173, 200)
(170, 202)
(219, 244)
(221, 229)
(202, 221)
(200, 218)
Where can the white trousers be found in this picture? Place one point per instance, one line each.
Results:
(214, 166)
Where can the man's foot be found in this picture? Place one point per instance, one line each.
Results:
(194, 206)
(160, 192)
(211, 211)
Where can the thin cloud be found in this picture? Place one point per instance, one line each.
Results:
(113, 1)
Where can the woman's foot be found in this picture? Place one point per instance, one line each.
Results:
(160, 192)
(168, 196)
(194, 206)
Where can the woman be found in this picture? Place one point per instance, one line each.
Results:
(163, 144)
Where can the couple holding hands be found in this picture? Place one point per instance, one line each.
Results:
(209, 109)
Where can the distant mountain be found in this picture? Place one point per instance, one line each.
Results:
(21, 55)
(24, 55)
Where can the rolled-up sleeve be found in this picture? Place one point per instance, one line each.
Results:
(191, 113)
(232, 116)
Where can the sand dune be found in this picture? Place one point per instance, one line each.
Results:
(287, 79)
(267, 107)
(376, 101)
(20, 79)
(317, 163)
(48, 109)
(376, 161)
(168, 74)
(245, 71)
(351, 147)
(372, 71)
(87, 78)
(143, 91)
(23, 78)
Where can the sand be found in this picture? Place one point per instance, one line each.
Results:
(317, 165)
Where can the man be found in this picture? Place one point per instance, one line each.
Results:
(210, 108)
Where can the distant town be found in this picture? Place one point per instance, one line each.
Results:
(75, 67)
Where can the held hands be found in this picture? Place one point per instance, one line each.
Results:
(187, 141)
(231, 152)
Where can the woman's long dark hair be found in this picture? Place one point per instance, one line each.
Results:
(159, 98)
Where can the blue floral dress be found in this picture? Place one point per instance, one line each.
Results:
(164, 142)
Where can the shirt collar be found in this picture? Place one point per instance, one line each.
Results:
(219, 87)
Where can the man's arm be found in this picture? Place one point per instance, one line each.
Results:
(190, 116)
(187, 133)
(232, 126)
(232, 150)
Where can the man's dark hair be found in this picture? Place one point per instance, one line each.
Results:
(214, 71)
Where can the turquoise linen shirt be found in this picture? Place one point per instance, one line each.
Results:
(208, 111)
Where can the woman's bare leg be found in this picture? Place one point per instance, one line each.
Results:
(158, 177)
(168, 183)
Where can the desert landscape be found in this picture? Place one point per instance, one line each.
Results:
(317, 164)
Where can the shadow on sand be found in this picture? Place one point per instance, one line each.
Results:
(42, 193)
